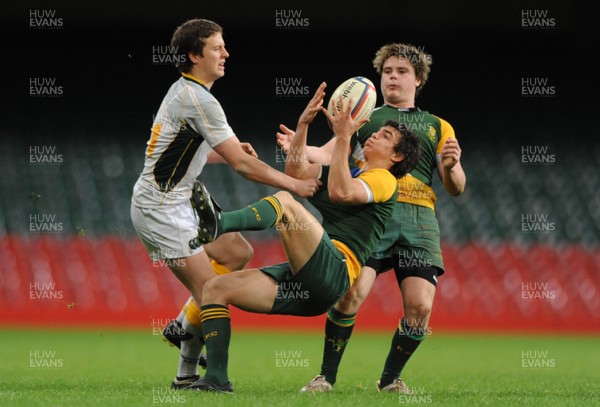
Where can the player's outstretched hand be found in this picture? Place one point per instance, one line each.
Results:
(314, 106)
(342, 123)
(248, 149)
(450, 153)
(284, 139)
(306, 188)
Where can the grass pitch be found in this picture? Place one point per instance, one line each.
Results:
(135, 368)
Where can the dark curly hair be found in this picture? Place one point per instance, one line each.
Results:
(408, 146)
(190, 37)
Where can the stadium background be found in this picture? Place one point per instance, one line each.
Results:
(90, 268)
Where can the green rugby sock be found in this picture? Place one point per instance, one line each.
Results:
(404, 343)
(257, 216)
(338, 330)
(216, 326)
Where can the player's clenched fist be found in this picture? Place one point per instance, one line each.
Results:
(450, 153)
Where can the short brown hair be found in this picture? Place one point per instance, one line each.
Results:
(420, 60)
(190, 37)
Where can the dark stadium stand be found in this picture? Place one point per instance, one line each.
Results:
(521, 245)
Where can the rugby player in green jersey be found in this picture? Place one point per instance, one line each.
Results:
(323, 261)
(411, 244)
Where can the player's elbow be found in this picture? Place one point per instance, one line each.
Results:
(339, 196)
(243, 166)
(456, 189)
(292, 170)
(296, 171)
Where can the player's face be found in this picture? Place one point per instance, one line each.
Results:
(381, 144)
(212, 63)
(398, 82)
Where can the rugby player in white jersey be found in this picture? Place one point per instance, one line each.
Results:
(190, 129)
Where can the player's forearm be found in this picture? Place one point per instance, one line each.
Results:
(339, 172)
(297, 159)
(455, 180)
(255, 170)
(321, 155)
(317, 155)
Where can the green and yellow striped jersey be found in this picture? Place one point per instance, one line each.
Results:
(360, 227)
(414, 188)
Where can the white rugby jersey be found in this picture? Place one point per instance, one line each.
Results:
(189, 123)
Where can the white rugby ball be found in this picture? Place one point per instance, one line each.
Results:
(363, 94)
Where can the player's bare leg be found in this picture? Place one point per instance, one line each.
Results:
(252, 290)
(351, 302)
(299, 230)
(417, 299)
(230, 250)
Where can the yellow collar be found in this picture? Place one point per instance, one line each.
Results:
(193, 78)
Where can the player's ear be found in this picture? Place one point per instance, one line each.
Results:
(194, 58)
(397, 157)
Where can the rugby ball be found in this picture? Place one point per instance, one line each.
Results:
(363, 94)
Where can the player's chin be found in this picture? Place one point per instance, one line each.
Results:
(392, 94)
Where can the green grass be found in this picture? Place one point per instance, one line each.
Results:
(108, 367)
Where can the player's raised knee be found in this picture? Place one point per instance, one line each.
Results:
(244, 253)
(284, 197)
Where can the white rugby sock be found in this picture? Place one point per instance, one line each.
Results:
(190, 349)
(184, 309)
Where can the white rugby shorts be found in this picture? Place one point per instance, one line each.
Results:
(166, 231)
